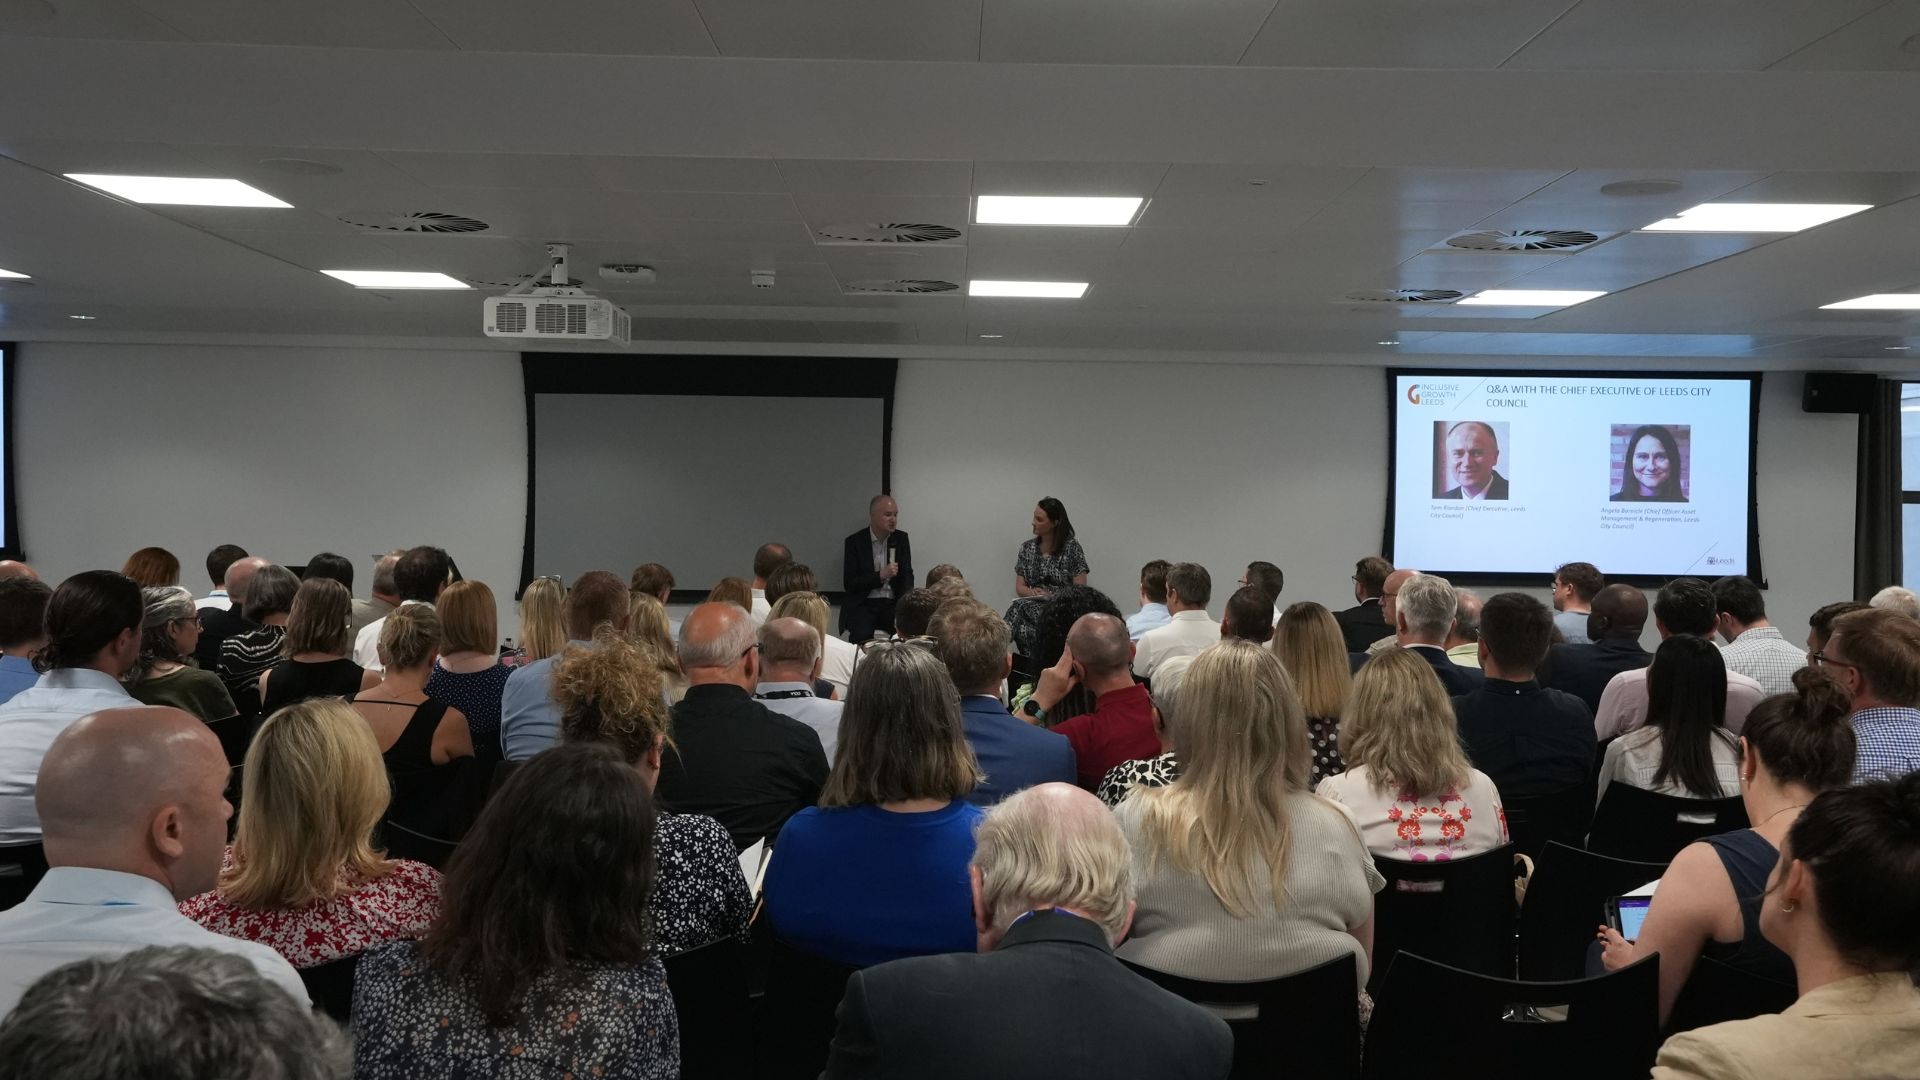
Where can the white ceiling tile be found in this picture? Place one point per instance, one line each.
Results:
(542, 172)
(848, 29)
(112, 19)
(822, 211)
(359, 24)
(618, 27)
(1871, 43)
(1449, 185)
(1399, 33)
(1698, 35)
(1119, 31)
(1256, 183)
(1878, 189)
(903, 179)
(1067, 178)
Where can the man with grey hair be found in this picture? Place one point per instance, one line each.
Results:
(172, 1013)
(734, 759)
(1895, 598)
(1120, 727)
(1052, 892)
(876, 571)
(790, 660)
(133, 816)
(1463, 642)
(386, 594)
(1389, 607)
(1423, 619)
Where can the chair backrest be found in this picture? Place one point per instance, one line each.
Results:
(1459, 912)
(443, 803)
(1306, 1024)
(798, 1010)
(709, 987)
(1433, 1020)
(21, 868)
(404, 843)
(1634, 823)
(1565, 905)
(1717, 992)
(1539, 820)
(234, 733)
(330, 985)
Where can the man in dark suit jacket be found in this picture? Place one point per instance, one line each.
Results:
(1045, 998)
(878, 572)
(1365, 623)
(1424, 613)
(1472, 452)
(1531, 741)
(217, 624)
(975, 644)
(1619, 615)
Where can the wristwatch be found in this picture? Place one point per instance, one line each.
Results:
(1032, 708)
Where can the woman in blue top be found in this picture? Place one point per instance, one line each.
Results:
(878, 871)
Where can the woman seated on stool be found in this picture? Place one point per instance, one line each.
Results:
(1794, 747)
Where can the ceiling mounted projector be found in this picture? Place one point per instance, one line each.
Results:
(555, 311)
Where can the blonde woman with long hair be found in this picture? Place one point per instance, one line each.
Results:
(1408, 783)
(1310, 646)
(1244, 874)
(303, 876)
(543, 627)
(649, 628)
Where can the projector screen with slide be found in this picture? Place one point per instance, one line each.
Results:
(1502, 475)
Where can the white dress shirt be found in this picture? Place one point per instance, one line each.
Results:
(882, 548)
(1623, 704)
(761, 609)
(1763, 654)
(1634, 760)
(796, 699)
(29, 723)
(837, 666)
(218, 598)
(76, 913)
(1186, 634)
(366, 647)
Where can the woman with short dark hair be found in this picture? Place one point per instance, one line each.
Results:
(246, 655)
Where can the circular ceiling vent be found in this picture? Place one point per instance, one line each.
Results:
(417, 221)
(1407, 296)
(902, 286)
(1523, 239)
(889, 233)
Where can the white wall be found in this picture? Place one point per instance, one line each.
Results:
(290, 451)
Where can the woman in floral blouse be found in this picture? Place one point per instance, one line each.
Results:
(1408, 784)
(302, 875)
(1048, 561)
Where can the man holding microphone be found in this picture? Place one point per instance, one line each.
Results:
(879, 570)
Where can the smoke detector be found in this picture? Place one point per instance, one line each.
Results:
(762, 279)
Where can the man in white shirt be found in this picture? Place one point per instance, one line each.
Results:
(1575, 584)
(789, 662)
(769, 558)
(420, 576)
(219, 561)
(1153, 613)
(1754, 648)
(135, 815)
(1190, 631)
(1683, 606)
(93, 637)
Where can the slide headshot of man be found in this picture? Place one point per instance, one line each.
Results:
(1650, 462)
(1466, 454)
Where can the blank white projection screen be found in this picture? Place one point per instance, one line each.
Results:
(696, 483)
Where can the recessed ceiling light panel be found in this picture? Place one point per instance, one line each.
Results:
(14, 275)
(1082, 210)
(396, 279)
(1530, 297)
(180, 190)
(1755, 217)
(1878, 302)
(1052, 290)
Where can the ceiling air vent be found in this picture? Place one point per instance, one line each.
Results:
(900, 287)
(416, 221)
(887, 234)
(1406, 296)
(1523, 240)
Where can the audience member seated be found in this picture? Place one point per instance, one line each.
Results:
(611, 695)
(912, 613)
(1057, 615)
(93, 638)
(420, 576)
(652, 579)
(1575, 585)
(839, 656)
(172, 1013)
(331, 567)
(468, 674)
(1528, 739)
(1820, 624)
(972, 640)
(23, 632)
(1189, 588)
(951, 588)
(1153, 613)
(1755, 647)
(1614, 626)
(1243, 873)
(13, 568)
(1683, 750)
(529, 719)
(1423, 617)
(1840, 904)
(789, 663)
(1390, 610)
(247, 655)
(733, 758)
(316, 648)
(220, 621)
(1364, 623)
(1165, 768)
(1876, 655)
(1269, 579)
(133, 808)
(732, 590)
(1051, 560)
(1052, 892)
(1408, 785)
(943, 572)
(1463, 641)
(1310, 646)
(153, 568)
(1683, 606)
(417, 733)
(385, 595)
(543, 622)
(1248, 615)
(220, 563)
(1795, 747)
(811, 608)
(164, 673)
(303, 877)
(650, 629)
(541, 963)
(1120, 726)
(768, 558)
(1896, 599)
(878, 871)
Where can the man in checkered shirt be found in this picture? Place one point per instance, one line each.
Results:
(1876, 655)
(1755, 647)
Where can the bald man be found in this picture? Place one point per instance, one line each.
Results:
(1471, 452)
(9, 568)
(1098, 656)
(1614, 626)
(134, 815)
(217, 624)
(790, 660)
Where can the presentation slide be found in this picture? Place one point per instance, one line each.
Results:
(1514, 473)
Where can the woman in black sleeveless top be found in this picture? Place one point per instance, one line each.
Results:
(416, 734)
(318, 640)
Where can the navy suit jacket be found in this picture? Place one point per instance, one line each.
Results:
(1458, 680)
(1363, 624)
(859, 576)
(1013, 753)
(1496, 490)
(1585, 670)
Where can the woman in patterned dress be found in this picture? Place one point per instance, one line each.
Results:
(1048, 561)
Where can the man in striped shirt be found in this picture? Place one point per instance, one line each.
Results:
(1755, 647)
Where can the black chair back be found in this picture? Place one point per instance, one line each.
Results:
(1458, 912)
(1566, 903)
(1307, 1024)
(330, 985)
(234, 733)
(709, 987)
(21, 868)
(1717, 992)
(404, 843)
(1539, 820)
(443, 803)
(799, 1009)
(1633, 823)
(1604, 1028)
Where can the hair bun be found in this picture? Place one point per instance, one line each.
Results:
(1822, 697)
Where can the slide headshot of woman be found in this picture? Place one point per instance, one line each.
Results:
(1653, 466)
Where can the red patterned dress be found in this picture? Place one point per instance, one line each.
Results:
(397, 907)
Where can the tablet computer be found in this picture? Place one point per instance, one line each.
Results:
(1626, 913)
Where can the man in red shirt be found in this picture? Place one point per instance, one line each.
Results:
(1120, 727)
